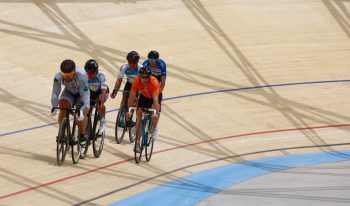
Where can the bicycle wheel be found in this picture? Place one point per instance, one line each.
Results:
(89, 134)
(62, 142)
(74, 142)
(132, 128)
(138, 141)
(120, 124)
(149, 141)
(98, 139)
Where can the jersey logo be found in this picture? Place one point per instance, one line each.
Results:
(55, 80)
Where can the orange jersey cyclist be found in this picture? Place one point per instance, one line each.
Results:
(148, 87)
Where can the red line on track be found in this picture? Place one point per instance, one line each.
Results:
(165, 150)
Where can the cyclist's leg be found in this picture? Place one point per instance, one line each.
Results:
(82, 124)
(102, 111)
(65, 100)
(127, 88)
(156, 120)
(144, 102)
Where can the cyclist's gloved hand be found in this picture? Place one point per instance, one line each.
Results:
(114, 93)
(81, 115)
(53, 112)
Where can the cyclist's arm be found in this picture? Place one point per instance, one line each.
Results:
(131, 99)
(163, 75)
(155, 103)
(117, 85)
(84, 91)
(162, 83)
(56, 90)
(104, 86)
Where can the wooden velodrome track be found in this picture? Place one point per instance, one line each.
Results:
(246, 79)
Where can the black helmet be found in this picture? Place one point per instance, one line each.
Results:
(133, 56)
(67, 66)
(91, 65)
(145, 71)
(153, 55)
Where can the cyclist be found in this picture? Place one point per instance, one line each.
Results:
(131, 71)
(75, 91)
(99, 90)
(158, 68)
(148, 87)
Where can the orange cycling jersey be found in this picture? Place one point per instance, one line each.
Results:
(149, 90)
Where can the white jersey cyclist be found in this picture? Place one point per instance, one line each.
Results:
(76, 90)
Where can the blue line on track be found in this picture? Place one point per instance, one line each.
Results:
(198, 94)
(196, 187)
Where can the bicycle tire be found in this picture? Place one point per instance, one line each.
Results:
(120, 131)
(149, 142)
(138, 141)
(98, 140)
(74, 141)
(62, 142)
(89, 134)
(132, 129)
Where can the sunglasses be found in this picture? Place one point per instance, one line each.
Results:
(68, 75)
(144, 77)
(152, 60)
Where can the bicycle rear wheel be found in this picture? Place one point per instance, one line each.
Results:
(138, 141)
(90, 137)
(120, 124)
(98, 139)
(149, 142)
(62, 142)
(74, 142)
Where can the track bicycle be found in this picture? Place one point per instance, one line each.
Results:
(146, 141)
(68, 136)
(92, 131)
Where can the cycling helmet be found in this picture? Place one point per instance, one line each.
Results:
(133, 56)
(91, 65)
(145, 71)
(67, 66)
(153, 55)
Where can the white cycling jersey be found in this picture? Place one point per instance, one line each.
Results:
(130, 75)
(99, 82)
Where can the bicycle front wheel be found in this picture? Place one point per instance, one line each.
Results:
(74, 142)
(62, 142)
(149, 142)
(138, 143)
(120, 124)
(132, 128)
(98, 139)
